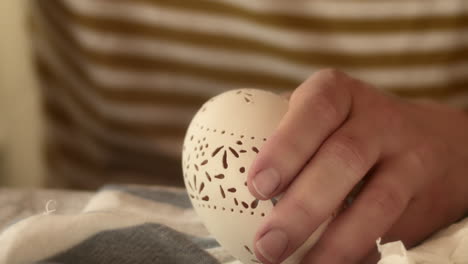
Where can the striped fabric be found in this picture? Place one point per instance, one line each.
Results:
(119, 224)
(140, 224)
(121, 79)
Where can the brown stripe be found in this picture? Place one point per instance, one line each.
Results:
(451, 88)
(314, 23)
(318, 58)
(433, 91)
(238, 78)
(55, 178)
(129, 95)
(132, 156)
(107, 172)
(148, 130)
(55, 113)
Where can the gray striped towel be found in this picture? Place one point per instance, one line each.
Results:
(120, 224)
(143, 224)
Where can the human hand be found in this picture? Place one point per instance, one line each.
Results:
(339, 130)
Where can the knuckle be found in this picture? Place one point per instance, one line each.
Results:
(326, 81)
(350, 151)
(424, 157)
(295, 147)
(387, 200)
(326, 108)
(417, 158)
(304, 205)
(326, 93)
(323, 102)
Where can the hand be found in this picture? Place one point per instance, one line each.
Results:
(339, 130)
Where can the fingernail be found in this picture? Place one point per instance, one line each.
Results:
(266, 182)
(272, 245)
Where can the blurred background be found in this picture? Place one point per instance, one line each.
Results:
(121, 80)
(20, 115)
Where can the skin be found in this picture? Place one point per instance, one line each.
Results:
(339, 130)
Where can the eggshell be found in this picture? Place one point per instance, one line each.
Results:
(221, 143)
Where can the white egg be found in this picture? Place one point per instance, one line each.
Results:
(221, 143)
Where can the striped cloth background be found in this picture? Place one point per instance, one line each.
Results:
(121, 79)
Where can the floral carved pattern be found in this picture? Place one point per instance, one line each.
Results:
(198, 166)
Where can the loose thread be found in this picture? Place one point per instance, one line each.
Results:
(48, 210)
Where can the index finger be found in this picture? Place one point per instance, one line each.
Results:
(317, 108)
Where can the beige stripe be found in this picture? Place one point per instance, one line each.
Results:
(351, 9)
(100, 108)
(68, 51)
(276, 42)
(115, 133)
(235, 16)
(341, 59)
(130, 113)
(128, 95)
(269, 40)
(134, 90)
(413, 42)
(155, 113)
(148, 130)
(60, 115)
(119, 161)
(410, 78)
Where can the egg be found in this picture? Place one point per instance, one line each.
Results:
(222, 141)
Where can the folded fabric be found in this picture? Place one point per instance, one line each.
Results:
(120, 224)
(145, 244)
(140, 224)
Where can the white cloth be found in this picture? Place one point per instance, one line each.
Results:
(449, 246)
(78, 220)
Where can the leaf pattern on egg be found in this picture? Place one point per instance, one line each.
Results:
(223, 154)
(228, 152)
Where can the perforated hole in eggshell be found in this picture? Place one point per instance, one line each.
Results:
(254, 260)
(222, 154)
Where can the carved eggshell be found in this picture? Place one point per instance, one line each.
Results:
(221, 143)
